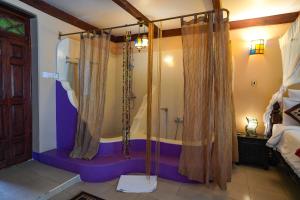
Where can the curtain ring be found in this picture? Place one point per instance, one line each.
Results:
(195, 18)
(181, 20)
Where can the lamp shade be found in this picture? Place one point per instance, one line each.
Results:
(141, 42)
(138, 43)
(257, 47)
(251, 126)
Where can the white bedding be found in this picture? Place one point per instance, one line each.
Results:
(286, 140)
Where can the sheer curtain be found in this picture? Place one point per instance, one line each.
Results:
(94, 53)
(208, 126)
(290, 52)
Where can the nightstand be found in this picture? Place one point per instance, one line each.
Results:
(253, 150)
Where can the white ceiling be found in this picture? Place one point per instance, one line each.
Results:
(158, 9)
(247, 9)
(105, 13)
(100, 13)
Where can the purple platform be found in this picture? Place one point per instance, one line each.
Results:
(109, 162)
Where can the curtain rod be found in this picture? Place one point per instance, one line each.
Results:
(139, 23)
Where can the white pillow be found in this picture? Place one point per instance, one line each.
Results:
(287, 104)
(295, 94)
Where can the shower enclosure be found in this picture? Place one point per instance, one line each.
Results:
(171, 113)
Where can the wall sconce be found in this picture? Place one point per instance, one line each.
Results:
(257, 47)
(251, 126)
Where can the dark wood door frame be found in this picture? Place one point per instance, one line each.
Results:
(15, 96)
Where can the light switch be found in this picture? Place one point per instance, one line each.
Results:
(253, 83)
(53, 75)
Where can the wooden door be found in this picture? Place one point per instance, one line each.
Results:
(15, 97)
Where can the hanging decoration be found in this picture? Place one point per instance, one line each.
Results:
(141, 42)
(127, 92)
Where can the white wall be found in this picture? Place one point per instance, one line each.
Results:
(171, 83)
(48, 28)
(110, 120)
(71, 48)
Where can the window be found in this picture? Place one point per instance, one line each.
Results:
(10, 25)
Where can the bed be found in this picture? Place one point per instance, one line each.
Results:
(285, 140)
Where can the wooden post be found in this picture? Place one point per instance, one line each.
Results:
(149, 98)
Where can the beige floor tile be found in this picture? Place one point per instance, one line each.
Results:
(22, 185)
(238, 191)
(53, 173)
(96, 189)
(146, 197)
(262, 194)
(269, 180)
(239, 175)
(199, 191)
(113, 194)
(62, 196)
(29, 181)
(292, 189)
(166, 189)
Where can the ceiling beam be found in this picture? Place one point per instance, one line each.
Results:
(128, 7)
(132, 10)
(59, 14)
(262, 21)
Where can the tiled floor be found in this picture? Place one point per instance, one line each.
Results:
(31, 180)
(248, 183)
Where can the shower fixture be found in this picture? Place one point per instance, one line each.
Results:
(178, 121)
(127, 92)
(72, 60)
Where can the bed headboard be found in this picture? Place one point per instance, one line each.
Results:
(276, 117)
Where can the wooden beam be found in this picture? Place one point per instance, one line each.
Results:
(216, 4)
(132, 10)
(55, 12)
(263, 21)
(59, 14)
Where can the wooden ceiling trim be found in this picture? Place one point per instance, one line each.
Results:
(263, 21)
(59, 14)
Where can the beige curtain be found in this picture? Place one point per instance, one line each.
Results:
(93, 61)
(208, 126)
